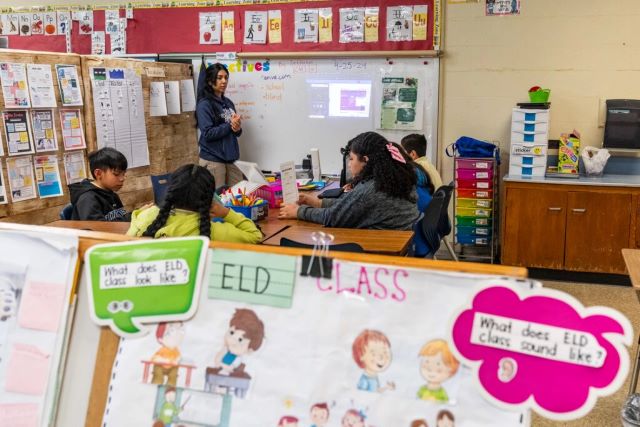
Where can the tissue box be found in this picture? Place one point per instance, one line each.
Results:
(568, 154)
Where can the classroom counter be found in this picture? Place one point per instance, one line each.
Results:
(608, 180)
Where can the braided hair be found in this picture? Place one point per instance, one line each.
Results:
(191, 188)
(390, 176)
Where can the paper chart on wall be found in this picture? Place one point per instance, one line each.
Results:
(17, 130)
(35, 286)
(41, 86)
(187, 95)
(172, 93)
(44, 130)
(21, 180)
(119, 113)
(72, 131)
(352, 25)
(47, 176)
(399, 23)
(402, 103)
(255, 27)
(3, 188)
(69, 84)
(75, 167)
(218, 383)
(157, 100)
(14, 85)
(306, 26)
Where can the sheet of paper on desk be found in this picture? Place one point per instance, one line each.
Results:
(289, 186)
(246, 186)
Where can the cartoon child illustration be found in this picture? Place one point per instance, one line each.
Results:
(445, 419)
(372, 353)
(170, 336)
(288, 421)
(507, 369)
(319, 415)
(419, 423)
(244, 336)
(169, 411)
(353, 418)
(437, 365)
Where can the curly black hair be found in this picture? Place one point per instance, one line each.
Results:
(390, 176)
(191, 188)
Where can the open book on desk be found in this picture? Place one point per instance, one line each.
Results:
(246, 187)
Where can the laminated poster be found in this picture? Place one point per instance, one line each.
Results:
(420, 14)
(399, 23)
(210, 27)
(371, 24)
(69, 85)
(10, 24)
(111, 21)
(47, 176)
(37, 24)
(119, 39)
(14, 85)
(85, 23)
(41, 86)
(64, 22)
(306, 26)
(228, 28)
(21, 180)
(3, 189)
(325, 24)
(50, 23)
(402, 103)
(275, 26)
(72, 132)
(98, 43)
(17, 130)
(25, 24)
(44, 130)
(255, 31)
(75, 167)
(351, 25)
(502, 7)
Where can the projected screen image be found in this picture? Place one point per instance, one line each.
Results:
(339, 98)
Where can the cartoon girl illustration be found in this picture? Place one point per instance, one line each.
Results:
(437, 365)
(353, 418)
(372, 353)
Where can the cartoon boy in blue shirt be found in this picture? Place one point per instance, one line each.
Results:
(372, 353)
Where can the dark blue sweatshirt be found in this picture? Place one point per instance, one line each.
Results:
(218, 143)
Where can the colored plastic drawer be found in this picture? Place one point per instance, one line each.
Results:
(526, 170)
(474, 194)
(531, 137)
(473, 231)
(536, 127)
(474, 184)
(474, 203)
(479, 212)
(474, 164)
(472, 240)
(470, 221)
(474, 174)
(529, 116)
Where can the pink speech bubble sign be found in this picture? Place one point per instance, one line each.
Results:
(555, 389)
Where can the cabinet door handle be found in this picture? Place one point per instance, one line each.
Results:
(579, 210)
(555, 209)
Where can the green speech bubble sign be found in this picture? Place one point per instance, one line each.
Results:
(146, 281)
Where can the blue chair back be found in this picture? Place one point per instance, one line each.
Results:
(65, 213)
(160, 183)
(434, 224)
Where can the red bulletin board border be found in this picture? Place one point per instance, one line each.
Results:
(175, 30)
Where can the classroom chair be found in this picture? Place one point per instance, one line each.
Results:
(435, 225)
(341, 247)
(160, 183)
(65, 213)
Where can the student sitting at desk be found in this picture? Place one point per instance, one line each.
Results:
(187, 210)
(97, 200)
(416, 146)
(383, 194)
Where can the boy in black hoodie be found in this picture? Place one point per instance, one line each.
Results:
(97, 200)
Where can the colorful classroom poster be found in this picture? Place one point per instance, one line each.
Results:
(21, 181)
(306, 26)
(41, 86)
(399, 23)
(119, 39)
(275, 26)
(37, 24)
(325, 24)
(17, 130)
(111, 21)
(10, 24)
(3, 190)
(14, 85)
(47, 176)
(255, 31)
(25, 24)
(64, 22)
(44, 130)
(371, 24)
(50, 23)
(210, 27)
(85, 24)
(502, 7)
(36, 278)
(351, 25)
(98, 43)
(420, 22)
(75, 167)
(69, 85)
(402, 103)
(72, 132)
(228, 28)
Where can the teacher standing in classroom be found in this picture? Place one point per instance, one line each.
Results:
(220, 126)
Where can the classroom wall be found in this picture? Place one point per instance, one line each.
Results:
(583, 50)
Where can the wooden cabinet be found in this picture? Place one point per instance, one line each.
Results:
(569, 227)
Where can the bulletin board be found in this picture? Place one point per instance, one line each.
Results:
(175, 30)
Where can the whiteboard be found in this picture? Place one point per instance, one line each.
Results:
(286, 111)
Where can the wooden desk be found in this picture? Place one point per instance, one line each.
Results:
(632, 262)
(103, 226)
(387, 242)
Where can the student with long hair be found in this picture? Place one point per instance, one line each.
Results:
(187, 210)
(383, 194)
(220, 126)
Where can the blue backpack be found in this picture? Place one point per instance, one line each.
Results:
(466, 146)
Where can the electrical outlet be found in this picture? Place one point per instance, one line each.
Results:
(602, 112)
